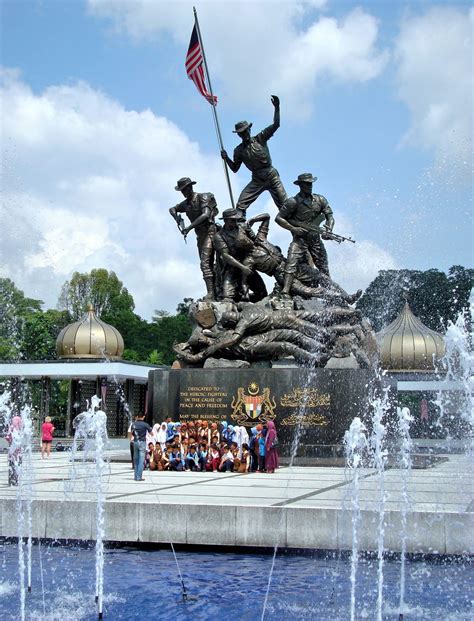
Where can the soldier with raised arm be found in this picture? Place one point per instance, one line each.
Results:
(254, 153)
(301, 215)
(201, 209)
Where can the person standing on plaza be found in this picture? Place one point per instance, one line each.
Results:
(261, 448)
(138, 432)
(47, 430)
(129, 432)
(271, 450)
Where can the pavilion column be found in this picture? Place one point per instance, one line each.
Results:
(129, 395)
(74, 406)
(45, 397)
(69, 408)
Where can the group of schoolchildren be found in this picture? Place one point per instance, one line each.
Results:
(212, 447)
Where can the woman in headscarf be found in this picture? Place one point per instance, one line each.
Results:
(184, 431)
(161, 436)
(242, 438)
(191, 432)
(204, 434)
(154, 430)
(230, 434)
(253, 448)
(271, 450)
(170, 432)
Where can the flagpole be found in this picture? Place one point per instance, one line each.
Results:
(213, 104)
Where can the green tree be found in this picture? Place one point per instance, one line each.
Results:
(434, 297)
(159, 314)
(184, 306)
(14, 308)
(170, 330)
(155, 357)
(101, 288)
(131, 354)
(40, 332)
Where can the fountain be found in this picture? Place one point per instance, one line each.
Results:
(347, 586)
(300, 355)
(91, 428)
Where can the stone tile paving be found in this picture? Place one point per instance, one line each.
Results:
(435, 494)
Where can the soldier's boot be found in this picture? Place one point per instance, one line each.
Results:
(242, 212)
(211, 295)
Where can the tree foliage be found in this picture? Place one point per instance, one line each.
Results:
(101, 288)
(170, 330)
(40, 332)
(434, 297)
(144, 341)
(14, 309)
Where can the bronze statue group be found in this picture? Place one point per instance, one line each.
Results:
(204, 446)
(308, 316)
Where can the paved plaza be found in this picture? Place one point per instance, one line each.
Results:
(298, 507)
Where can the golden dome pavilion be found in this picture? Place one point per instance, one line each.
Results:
(90, 338)
(407, 345)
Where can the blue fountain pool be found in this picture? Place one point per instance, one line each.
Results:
(144, 584)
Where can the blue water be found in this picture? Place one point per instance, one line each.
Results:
(144, 584)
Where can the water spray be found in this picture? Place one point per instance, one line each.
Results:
(356, 445)
(184, 593)
(91, 426)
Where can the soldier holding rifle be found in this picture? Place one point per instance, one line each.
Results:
(201, 209)
(301, 215)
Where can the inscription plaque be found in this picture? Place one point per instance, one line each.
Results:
(320, 404)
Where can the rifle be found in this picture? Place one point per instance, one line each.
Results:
(180, 224)
(325, 234)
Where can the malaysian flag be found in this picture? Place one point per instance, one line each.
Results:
(194, 67)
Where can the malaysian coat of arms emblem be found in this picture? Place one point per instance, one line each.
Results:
(254, 406)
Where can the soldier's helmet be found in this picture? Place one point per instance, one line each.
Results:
(305, 178)
(232, 214)
(241, 126)
(183, 182)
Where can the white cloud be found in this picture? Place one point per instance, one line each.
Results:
(262, 47)
(88, 184)
(434, 76)
(354, 266)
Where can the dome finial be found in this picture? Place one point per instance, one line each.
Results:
(90, 338)
(408, 345)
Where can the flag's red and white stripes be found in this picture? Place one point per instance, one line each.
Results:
(194, 67)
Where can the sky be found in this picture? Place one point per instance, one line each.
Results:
(99, 120)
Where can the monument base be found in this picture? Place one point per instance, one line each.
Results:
(311, 408)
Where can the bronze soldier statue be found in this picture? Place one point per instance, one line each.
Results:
(302, 215)
(233, 243)
(254, 153)
(201, 209)
(270, 345)
(308, 281)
